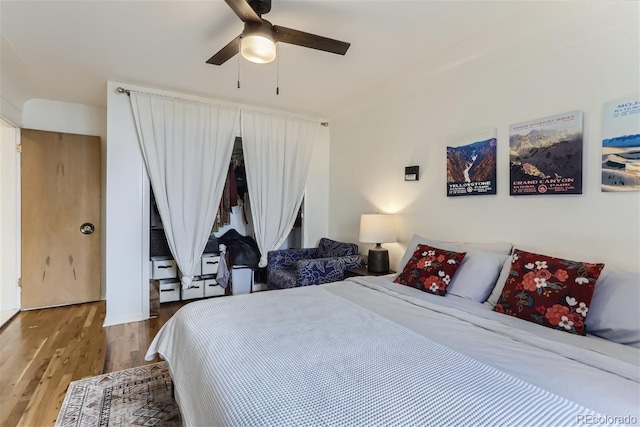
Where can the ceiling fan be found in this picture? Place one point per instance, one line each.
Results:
(257, 43)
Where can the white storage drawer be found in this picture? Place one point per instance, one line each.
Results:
(210, 263)
(212, 289)
(195, 291)
(169, 290)
(163, 268)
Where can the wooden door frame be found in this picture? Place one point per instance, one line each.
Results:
(16, 244)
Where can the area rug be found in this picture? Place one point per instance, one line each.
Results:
(139, 396)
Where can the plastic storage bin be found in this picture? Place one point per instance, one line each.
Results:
(169, 290)
(195, 291)
(212, 289)
(163, 267)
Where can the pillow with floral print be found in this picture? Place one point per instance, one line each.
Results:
(552, 292)
(430, 269)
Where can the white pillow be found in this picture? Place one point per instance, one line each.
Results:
(478, 271)
(613, 312)
(502, 279)
(497, 247)
(477, 275)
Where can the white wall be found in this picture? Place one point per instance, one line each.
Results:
(315, 222)
(597, 60)
(9, 220)
(127, 215)
(127, 200)
(15, 83)
(56, 116)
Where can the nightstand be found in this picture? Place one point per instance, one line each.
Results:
(363, 271)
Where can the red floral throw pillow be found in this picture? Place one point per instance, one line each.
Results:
(430, 269)
(552, 292)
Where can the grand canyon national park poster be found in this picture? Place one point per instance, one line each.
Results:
(546, 155)
(471, 163)
(621, 145)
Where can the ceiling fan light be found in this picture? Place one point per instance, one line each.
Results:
(258, 48)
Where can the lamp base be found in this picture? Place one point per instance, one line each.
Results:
(378, 260)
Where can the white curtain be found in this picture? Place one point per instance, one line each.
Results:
(277, 155)
(187, 149)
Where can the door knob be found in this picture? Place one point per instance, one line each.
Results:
(87, 228)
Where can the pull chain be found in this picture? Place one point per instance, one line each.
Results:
(239, 70)
(278, 70)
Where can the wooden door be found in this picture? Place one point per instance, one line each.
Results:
(60, 218)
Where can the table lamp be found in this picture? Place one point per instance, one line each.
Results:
(378, 228)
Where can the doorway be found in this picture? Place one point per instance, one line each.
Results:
(60, 215)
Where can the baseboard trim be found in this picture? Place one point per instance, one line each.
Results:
(111, 321)
(6, 315)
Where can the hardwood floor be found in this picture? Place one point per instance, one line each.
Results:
(41, 351)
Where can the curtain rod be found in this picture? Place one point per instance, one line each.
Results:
(120, 89)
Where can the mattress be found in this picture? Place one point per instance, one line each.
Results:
(367, 351)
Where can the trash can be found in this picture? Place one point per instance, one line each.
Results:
(241, 279)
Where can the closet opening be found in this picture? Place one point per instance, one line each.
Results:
(234, 215)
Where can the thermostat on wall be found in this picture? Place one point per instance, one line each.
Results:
(412, 173)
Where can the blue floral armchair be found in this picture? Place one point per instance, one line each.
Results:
(291, 268)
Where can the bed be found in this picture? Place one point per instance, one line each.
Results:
(369, 351)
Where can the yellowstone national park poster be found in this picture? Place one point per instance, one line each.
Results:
(471, 163)
(621, 145)
(546, 155)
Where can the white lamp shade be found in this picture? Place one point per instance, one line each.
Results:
(258, 48)
(378, 228)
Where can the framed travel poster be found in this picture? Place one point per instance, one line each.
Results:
(471, 164)
(545, 155)
(621, 145)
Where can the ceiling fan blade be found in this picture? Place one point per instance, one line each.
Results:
(226, 53)
(300, 38)
(243, 10)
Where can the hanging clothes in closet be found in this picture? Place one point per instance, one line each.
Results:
(230, 198)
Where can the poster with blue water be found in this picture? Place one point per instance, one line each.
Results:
(471, 163)
(621, 145)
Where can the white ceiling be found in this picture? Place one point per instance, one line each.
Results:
(67, 50)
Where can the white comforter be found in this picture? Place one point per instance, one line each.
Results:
(359, 353)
